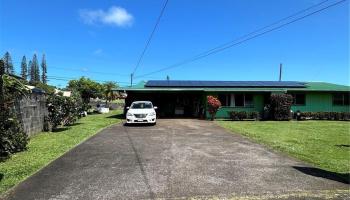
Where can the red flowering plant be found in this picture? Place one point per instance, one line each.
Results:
(213, 106)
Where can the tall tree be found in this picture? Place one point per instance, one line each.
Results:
(35, 69)
(24, 68)
(43, 70)
(8, 63)
(31, 72)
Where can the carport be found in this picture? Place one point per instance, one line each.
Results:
(171, 104)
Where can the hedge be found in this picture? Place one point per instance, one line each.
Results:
(324, 115)
(241, 115)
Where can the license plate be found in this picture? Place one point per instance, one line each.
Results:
(140, 120)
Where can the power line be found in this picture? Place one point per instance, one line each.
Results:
(150, 37)
(240, 41)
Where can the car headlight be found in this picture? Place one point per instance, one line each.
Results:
(129, 114)
(152, 114)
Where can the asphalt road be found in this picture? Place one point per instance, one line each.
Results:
(175, 159)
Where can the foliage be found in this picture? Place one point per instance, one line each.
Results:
(8, 65)
(34, 70)
(12, 137)
(24, 68)
(44, 70)
(43, 148)
(63, 110)
(87, 89)
(280, 105)
(241, 115)
(213, 106)
(324, 115)
(13, 88)
(108, 92)
(47, 88)
(321, 143)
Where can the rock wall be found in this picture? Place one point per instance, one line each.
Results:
(31, 111)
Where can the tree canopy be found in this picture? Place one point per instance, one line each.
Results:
(87, 88)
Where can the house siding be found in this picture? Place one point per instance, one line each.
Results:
(319, 102)
(224, 112)
(314, 102)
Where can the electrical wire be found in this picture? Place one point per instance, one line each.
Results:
(240, 41)
(150, 37)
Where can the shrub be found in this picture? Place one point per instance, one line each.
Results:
(280, 105)
(241, 115)
(345, 115)
(63, 110)
(213, 106)
(325, 115)
(255, 115)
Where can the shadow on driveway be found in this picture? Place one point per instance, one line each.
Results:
(340, 177)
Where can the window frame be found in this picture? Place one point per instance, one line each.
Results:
(343, 102)
(294, 95)
(227, 99)
(231, 100)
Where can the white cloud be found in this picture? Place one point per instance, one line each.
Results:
(115, 16)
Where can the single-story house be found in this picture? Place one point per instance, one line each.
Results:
(176, 98)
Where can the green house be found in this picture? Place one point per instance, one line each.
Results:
(188, 98)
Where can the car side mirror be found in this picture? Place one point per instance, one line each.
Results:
(128, 108)
(155, 107)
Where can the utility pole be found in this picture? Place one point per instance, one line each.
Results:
(131, 77)
(280, 78)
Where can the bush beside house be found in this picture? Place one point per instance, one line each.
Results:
(345, 116)
(241, 115)
(280, 107)
(213, 106)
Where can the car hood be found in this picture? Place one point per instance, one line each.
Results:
(140, 111)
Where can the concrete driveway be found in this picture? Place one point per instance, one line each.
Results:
(175, 159)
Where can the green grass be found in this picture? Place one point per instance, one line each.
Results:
(46, 147)
(316, 142)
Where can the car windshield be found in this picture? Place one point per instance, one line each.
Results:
(142, 105)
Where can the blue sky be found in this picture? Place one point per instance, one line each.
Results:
(102, 40)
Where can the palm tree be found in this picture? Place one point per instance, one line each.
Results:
(109, 94)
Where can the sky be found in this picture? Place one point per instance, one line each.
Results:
(103, 39)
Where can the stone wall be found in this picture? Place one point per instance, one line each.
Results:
(31, 112)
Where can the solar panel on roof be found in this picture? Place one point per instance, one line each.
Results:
(178, 83)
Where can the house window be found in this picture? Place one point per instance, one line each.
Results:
(341, 99)
(225, 99)
(236, 100)
(239, 100)
(298, 99)
(248, 100)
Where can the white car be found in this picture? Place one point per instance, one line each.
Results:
(141, 112)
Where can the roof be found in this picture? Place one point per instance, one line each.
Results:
(235, 86)
(225, 84)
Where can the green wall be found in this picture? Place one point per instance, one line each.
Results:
(223, 112)
(320, 102)
(314, 102)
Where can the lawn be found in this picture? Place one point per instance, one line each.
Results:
(46, 147)
(324, 144)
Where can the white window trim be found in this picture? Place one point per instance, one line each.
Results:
(233, 102)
